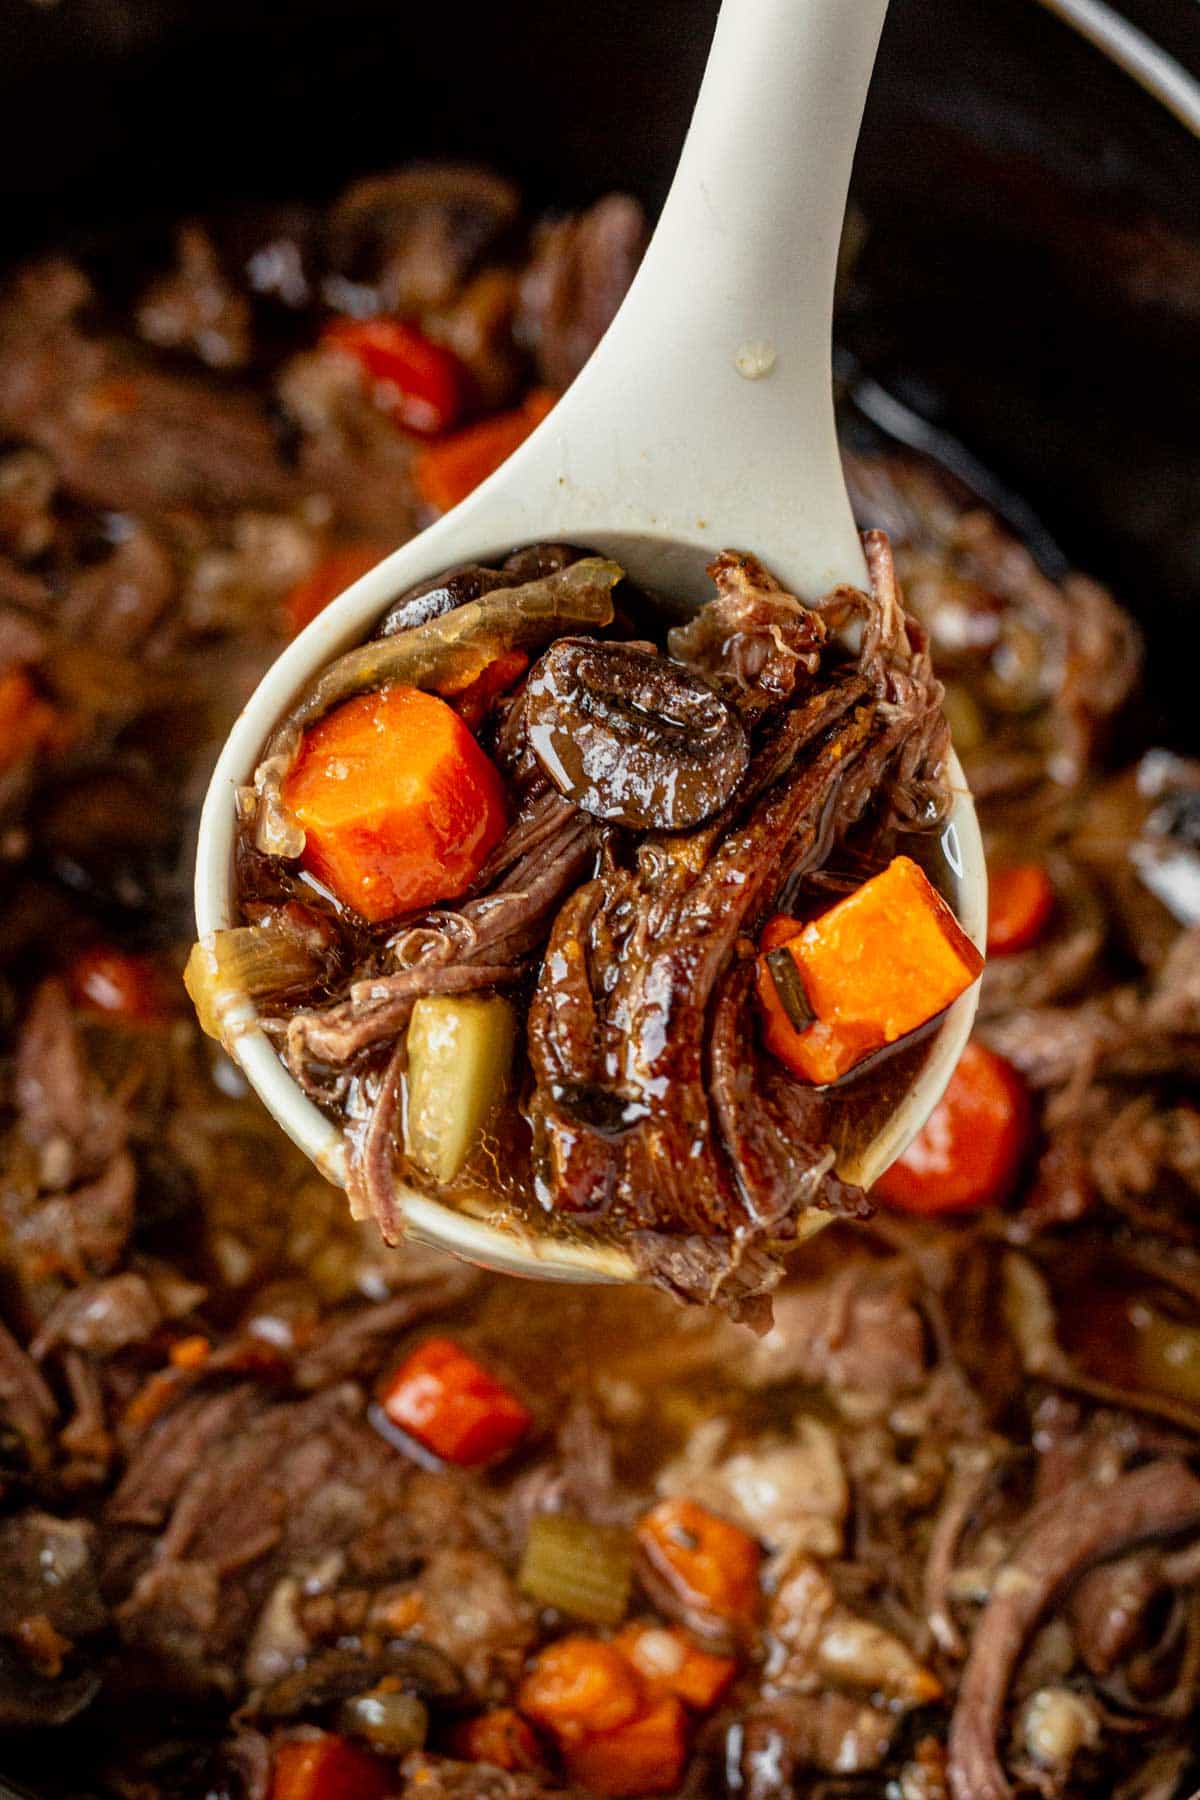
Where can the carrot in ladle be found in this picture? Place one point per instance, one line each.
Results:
(883, 961)
(399, 805)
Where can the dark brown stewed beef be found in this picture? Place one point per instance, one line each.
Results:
(571, 290)
(651, 1101)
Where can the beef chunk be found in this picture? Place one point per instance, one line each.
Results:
(411, 237)
(777, 1748)
(581, 270)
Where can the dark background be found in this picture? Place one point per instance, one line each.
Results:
(1031, 278)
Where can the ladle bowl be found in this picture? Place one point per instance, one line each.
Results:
(704, 420)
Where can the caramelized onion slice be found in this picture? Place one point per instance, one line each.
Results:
(451, 651)
(248, 962)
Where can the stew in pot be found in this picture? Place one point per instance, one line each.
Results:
(290, 1513)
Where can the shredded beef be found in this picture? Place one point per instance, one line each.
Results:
(640, 994)
(141, 438)
(102, 1316)
(483, 945)
(1088, 1522)
(160, 1464)
(356, 1343)
(29, 1406)
(858, 1332)
(63, 1110)
(754, 642)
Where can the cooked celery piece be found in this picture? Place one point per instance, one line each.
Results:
(1168, 1353)
(249, 961)
(460, 1049)
(578, 1568)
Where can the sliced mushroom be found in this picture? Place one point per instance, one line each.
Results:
(633, 737)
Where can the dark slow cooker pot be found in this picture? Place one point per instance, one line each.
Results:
(1029, 280)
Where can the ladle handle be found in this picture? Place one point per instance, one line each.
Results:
(708, 407)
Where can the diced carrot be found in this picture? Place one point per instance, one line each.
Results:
(28, 722)
(328, 1768)
(119, 983)
(500, 1737)
(709, 1563)
(471, 703)
(886, 959)
(823, 1050)
(400, 806)
(669, 1663)
(453, 1406)
(891, 953)
(151, 1399)
(970, 1149)
(820, 1054)
(190, 1352)
(779, 931)
(646, 1756)
(422, 385)
(331, 577)
(41, 1644)
(446, 473)
(578, 1686)
(1020, 906)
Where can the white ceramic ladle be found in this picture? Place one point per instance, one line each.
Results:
(703, 420)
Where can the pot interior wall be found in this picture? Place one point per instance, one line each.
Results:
(1031, 278)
